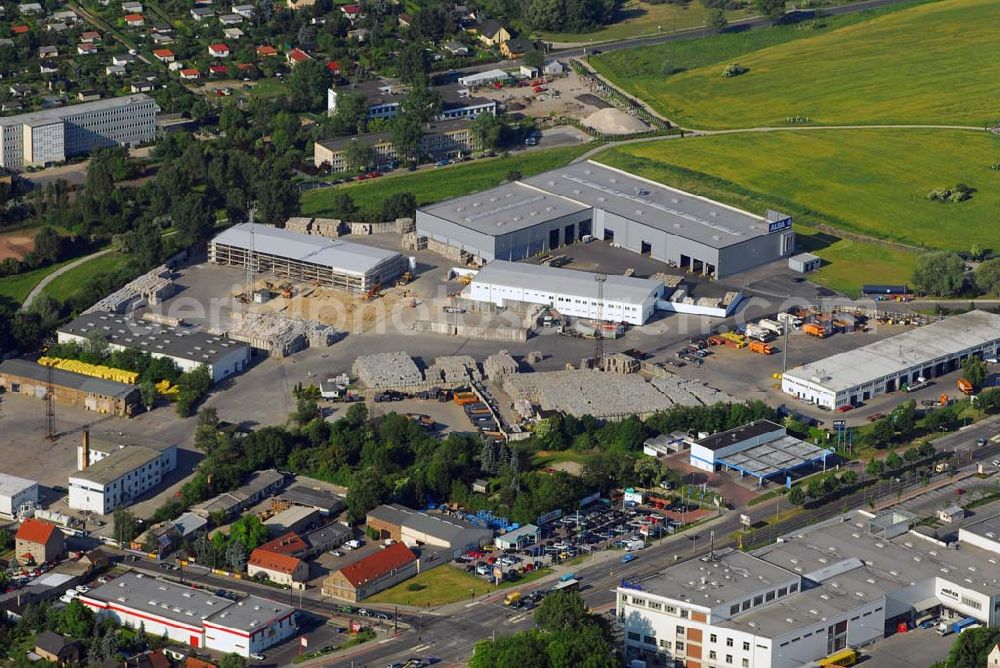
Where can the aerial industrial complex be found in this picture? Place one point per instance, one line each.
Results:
(892, 364)
(587, 199)
(53, 135)
(330, 262)
(835, 585)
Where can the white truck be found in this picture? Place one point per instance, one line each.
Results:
(792, 321)
(773, 326)
(757, 332)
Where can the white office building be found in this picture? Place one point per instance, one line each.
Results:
(570, 292)
(15, 493)
(888, 365)
(834, 585)
(53, 135)
(120, 478)
(189, 348)
(193, 616)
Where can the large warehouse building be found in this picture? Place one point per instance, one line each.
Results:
(120, 478)
(570, 292)
(331, 262)
(559, 207)
(838, 584)
(70, 389)
(888, 365)
(16, 493)
(53, 135)
(415, 528)
(188, 348)
(193, 616)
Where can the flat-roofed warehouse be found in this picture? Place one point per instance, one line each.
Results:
(69, 388)
(888, 365)
(570, 292)
(559, 207)
(332, 262)
(189, 348)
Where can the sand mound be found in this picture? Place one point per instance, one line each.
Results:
(613, 121)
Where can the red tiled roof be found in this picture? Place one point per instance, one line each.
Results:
(298, 55)
(163, 53)
(266, 50)
(20, 30)
(333, 66)
(219, 69)
(189, 71)
(133, 17)
(350, 9)
(384, 561)
(289, 543)
(193, 662)
(273, 561)
(36, 531)
(245, 66)
(219, 47)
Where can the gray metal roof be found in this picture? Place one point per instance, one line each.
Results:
(654, 204)
(888, 357)
(445, 528)
(117, 464)
(526, 530)
(744, 432)
(67, 379)
(60, 113)
(110, 441)
(11, 485)
(186, 605)
(320, 499)
(558, 280)
(342, 256)
(705, 582)
(504, 209)
(987, 528)
(375, 138)
(181, 342)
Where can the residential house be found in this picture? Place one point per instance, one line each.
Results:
(516, 47)
(48, 51)
(993, 658)
(352, 12)
(218, 50)
(122, 59)
(190, 73)
(29, 8)
(296, 56)
(48, 67)
(553, 67)
(456, 48)
(202, 13)
(57, 27)
(90, 37)
(299, 4)
(20, 30)
(141, 86)
(65, 16)
(283, 569)
(230, 19)
(246, 11)
(132, 8)
(58, 649)
(164, 55)
(358, 34)
(37, 542)
(233, 33)
(218, 70)
(19, 90)
(160, 39)
(491, 33)
(405, 20)
(266, 51)
(86, 49)
(333, 66)
(114, 71)
(135, 20)
(88, 95)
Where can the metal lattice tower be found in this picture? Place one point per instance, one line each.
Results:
(248, 281)
(599, 338)
(50, 405)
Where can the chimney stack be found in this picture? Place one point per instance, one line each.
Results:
(83, 452)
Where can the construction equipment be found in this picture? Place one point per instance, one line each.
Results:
(761, 348)
(375, 291)
(404, 279)
(286, 290)
(965, 387)
(812, 329)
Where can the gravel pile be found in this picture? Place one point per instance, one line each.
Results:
(613, 121)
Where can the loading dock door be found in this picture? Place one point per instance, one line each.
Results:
(569, 234)
(609, 235)
(646, 248)
(554, 238)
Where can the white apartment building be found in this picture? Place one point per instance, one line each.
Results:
(835, 585)
(53, 135)
(120, 478)
(568, 291)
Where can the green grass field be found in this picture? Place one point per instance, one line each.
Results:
(637, 18)
(931, 63)
(69, 284)
(17, 287)
(443, 585)
(433, 185)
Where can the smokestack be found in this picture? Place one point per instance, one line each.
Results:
(83, 452)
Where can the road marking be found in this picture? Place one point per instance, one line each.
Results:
(421, 648)
(515, 619)
(473, 603)
(996, 439)
(382, 642)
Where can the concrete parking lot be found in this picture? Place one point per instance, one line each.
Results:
(917, 647)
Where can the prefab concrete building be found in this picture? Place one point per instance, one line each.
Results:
(565, 205)
(329, 262)
(888, 365)
(568, 291)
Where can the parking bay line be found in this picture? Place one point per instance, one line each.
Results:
(473, 603)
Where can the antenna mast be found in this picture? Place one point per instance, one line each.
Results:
(599, 332)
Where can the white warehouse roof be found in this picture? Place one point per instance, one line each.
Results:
(566, 281)
(12, 485)
(942, 339)
(343, 256)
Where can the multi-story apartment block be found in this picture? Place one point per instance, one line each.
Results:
(444, 139)
(53, 135)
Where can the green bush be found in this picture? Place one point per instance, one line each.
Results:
(734, 70)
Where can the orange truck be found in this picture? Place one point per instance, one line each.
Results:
(760, 347)
(465, 398)
(965, 387)
(812, 329)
